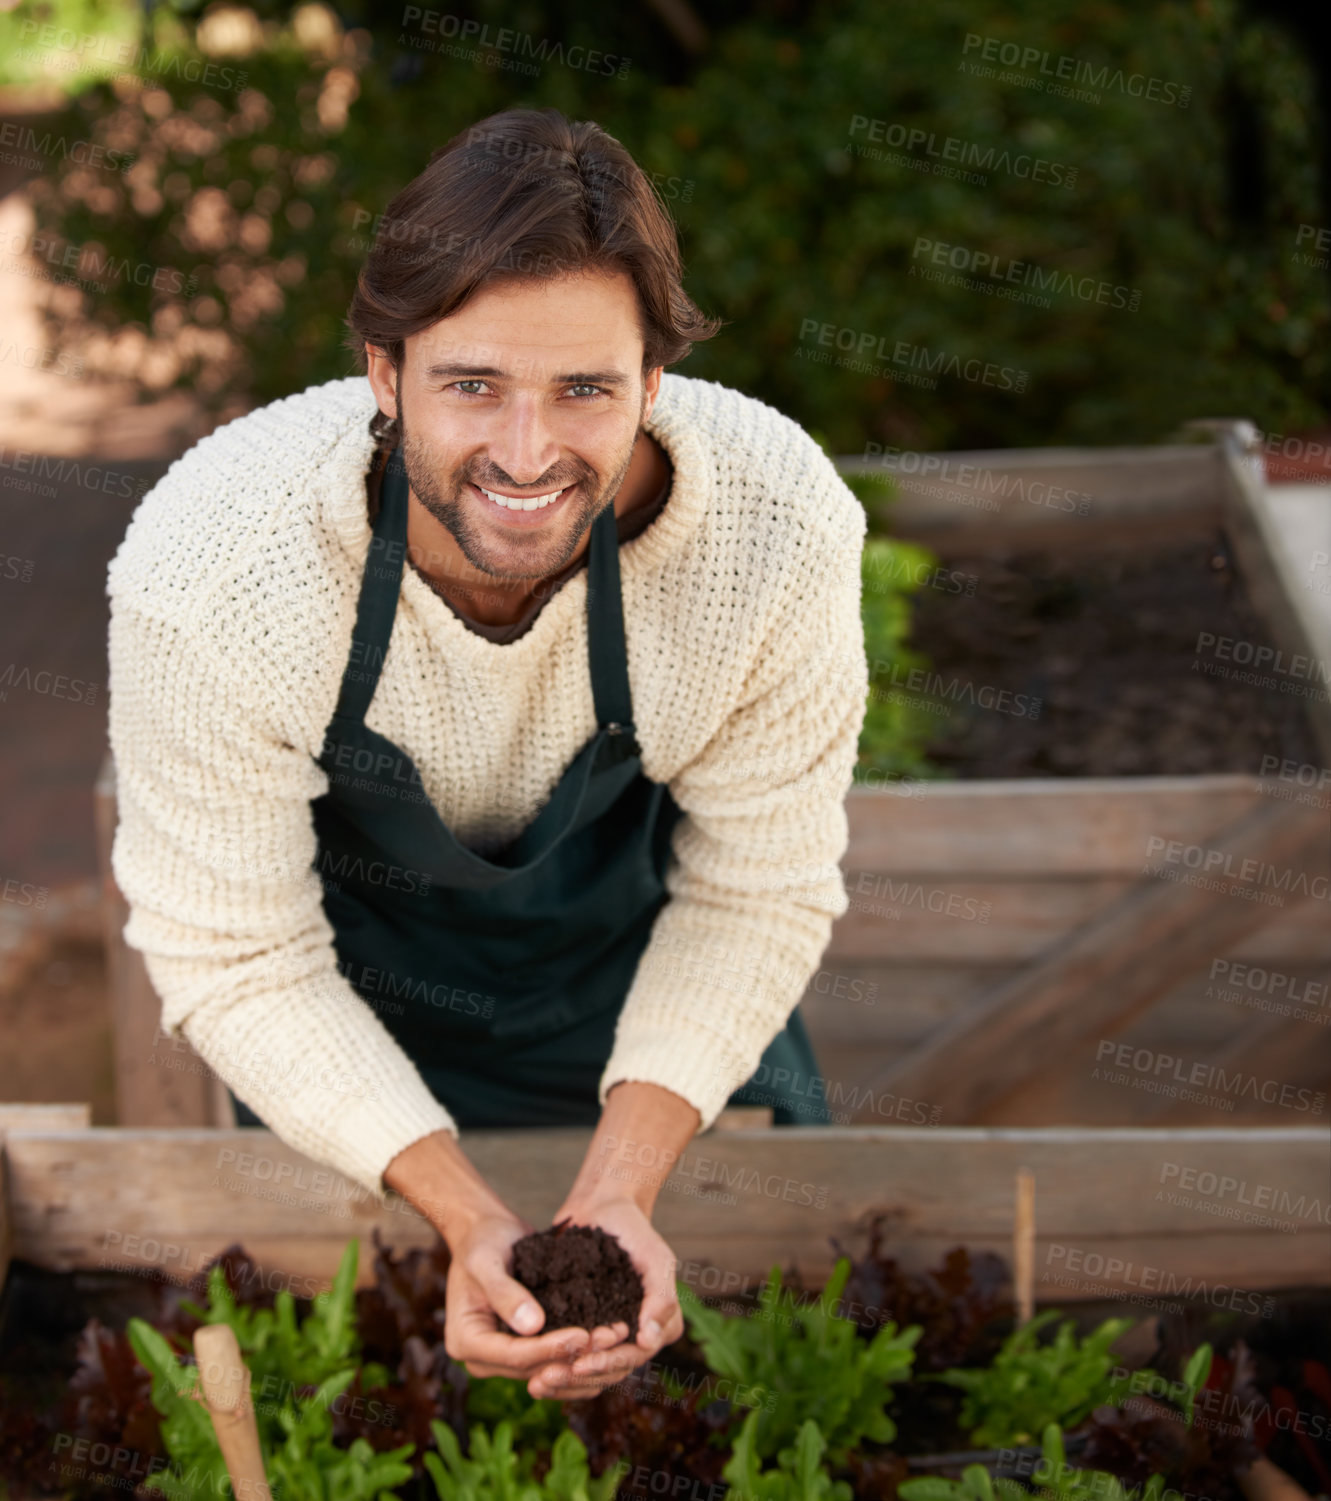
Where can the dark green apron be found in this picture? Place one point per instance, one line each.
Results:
(502, 978)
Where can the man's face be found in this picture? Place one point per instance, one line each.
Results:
(531, 389)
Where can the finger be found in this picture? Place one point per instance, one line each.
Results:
(509, 1299)
(564, 1393)
(608, 1364)
(519, 1356)
(606, 1336)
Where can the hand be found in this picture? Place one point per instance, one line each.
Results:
(480, 1292)
(660, 1321)
(436, 1176)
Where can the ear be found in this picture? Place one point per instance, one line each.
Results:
(652, 389)
(383, 379)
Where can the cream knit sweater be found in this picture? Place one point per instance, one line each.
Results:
(233, 597)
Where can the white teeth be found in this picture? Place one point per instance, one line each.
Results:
(529, 503)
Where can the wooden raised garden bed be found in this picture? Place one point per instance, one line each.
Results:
(1007, 936)
(1113, 1235)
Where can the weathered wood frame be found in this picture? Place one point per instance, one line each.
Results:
(164, 1201)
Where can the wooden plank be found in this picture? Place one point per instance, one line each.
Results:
(1039, 826)
(154, 1087)
(1275, 572)
(993, 922)
(76, 1116)
(1040, 495)
(169, 1199)
(1268, 1050)
(1099, 977)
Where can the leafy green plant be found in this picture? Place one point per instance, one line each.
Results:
(1054, 1479)
(1195, 1375)
(533, 1420)
(813, 1363)
(301, 1461)
(495, 1470)
(282, 1352)
(187, 1431)
(1030, 1385)
(799, 1476)
(897, 722)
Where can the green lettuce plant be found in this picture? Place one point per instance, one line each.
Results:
(799, 1475)
(1055, 1480)
(811, 1361)
(300, 1459)
(496, 1470)
(1030, 1385)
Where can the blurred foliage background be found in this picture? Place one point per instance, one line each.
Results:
(260, 141)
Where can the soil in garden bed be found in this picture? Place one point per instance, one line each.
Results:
(1108, 645)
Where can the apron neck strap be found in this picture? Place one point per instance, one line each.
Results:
(381, 583)
(606, 650)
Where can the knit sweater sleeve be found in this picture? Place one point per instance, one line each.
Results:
(213, 851)
(756, 882)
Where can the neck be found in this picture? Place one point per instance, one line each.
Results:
(434, 553)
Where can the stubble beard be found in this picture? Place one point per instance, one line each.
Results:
(528, 557)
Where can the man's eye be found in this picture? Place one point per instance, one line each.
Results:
(459, 385)
(583, 386)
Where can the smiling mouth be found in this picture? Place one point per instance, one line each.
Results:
(524, 502)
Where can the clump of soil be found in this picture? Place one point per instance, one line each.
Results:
(1108, 646)
(580, 1276)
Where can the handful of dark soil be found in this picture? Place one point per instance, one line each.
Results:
(580, 1276)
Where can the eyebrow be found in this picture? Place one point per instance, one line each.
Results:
(488, 372)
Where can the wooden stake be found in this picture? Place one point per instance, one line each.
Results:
(1023, 1246)
(1265, 1481)
(224, 1379)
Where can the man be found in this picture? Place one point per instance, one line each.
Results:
(482, 732)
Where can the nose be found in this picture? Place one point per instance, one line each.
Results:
(524, 446)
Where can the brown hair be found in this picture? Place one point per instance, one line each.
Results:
(523, 194)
